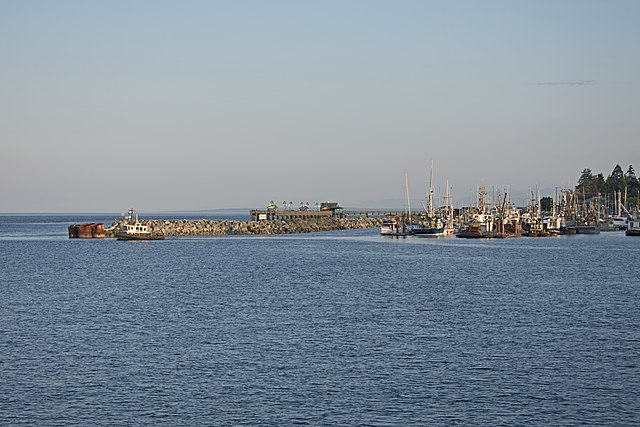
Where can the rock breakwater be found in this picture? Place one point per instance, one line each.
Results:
(205, 227)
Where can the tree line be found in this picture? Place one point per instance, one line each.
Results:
(625, 182)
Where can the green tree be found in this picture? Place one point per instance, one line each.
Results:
(615, 181)
(631, 179)
(617, 173)
(546, 204)
(599, 184)
(585, 182)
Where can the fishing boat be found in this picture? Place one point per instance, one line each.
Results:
(429, 231)
(633, 226)
(132, 229)
(392, 225)
(587, 227)
(481, 224)
(435, 224)
(400, 227)
(481, 227)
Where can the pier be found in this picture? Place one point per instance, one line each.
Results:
(296, 214)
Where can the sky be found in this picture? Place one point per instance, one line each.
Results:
(195, 105)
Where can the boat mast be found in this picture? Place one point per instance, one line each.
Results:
(448, 204)
(406, 187)
(430, 195)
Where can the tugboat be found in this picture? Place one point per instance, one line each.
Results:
(132, 229)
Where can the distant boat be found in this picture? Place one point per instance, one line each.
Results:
(482, 224)
(480, 228)
(633, 226)
(587, 228)
(429, 231)
(394, 226)
(435, 225)
(133, 229)
(619, 222)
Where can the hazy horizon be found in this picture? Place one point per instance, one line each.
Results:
(203, 105)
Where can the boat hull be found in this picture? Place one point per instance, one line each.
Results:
(587, 229)
(433, 232)
(478, 235)
(428, 232)
(393, 233)
(635, 232)
(136, 237)
(568, 231)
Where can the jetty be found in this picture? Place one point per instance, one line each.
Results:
(207, 227)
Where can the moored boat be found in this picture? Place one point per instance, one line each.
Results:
(432, 231)
(619, 222)
(482, 226)
(435, 223)
(400, 227)
(394, 226)
(633, 226)
(587, 228)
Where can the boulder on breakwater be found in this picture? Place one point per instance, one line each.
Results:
(205, 227)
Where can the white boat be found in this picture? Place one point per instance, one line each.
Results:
(619, 222)
(394, 226)
(633, 226)
(434, 224)
(132, 229)
(480, 223)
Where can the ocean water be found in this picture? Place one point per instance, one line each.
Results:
(336, 328)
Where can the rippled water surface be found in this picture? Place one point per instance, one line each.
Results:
(337, 328)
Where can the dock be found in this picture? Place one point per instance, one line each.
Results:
(296, 214)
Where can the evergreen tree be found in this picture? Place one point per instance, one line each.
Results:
(599, 184)
(617, 173)
(633, 185)
(630, 177)
(627, 183)
(614, 181)
(546, 204)
(585, 182)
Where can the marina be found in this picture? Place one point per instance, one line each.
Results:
(570, 211)
(563, 215)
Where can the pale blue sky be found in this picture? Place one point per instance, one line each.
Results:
(178, 105)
